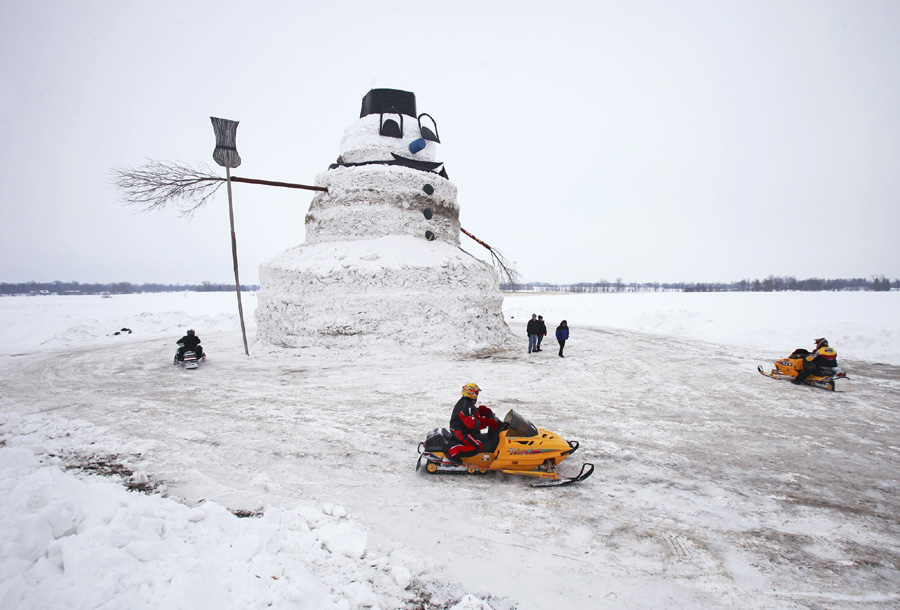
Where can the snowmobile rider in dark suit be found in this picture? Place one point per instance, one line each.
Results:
(189, 342)
(823, 361)
(466, 423)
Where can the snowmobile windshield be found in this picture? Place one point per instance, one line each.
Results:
(518, 425)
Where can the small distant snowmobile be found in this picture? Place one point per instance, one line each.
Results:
(790, 367)
(189, 360)
(518, 448)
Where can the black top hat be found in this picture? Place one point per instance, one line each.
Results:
(379, 101)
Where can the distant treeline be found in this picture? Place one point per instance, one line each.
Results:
(115, 288)
(770, 284)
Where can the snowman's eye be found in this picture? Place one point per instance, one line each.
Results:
(390, 128)
(429, 128)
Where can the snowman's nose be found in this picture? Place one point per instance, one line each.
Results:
(417, 145)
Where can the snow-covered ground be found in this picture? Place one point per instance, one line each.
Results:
(287, 480)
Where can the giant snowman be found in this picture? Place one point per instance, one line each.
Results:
(382, 260)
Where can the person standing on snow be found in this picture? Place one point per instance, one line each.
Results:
(466, 423)
(822, 361)
(189, 342)
(562, 335)
(532, 331)
(542, 332)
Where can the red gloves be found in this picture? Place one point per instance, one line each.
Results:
(486, 418)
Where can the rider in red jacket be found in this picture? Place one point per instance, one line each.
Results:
(466, 423)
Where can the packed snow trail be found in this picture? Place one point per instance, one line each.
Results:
(714, 485)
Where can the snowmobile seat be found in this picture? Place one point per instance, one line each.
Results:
(439, 440)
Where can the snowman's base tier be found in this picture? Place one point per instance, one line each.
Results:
(376, 200)
(403, 289)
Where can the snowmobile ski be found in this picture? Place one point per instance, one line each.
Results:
(587, 469)
(766, 373)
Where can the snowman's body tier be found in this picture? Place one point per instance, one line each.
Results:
(376, 200)
(426, 294)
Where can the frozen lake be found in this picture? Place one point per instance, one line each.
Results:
(714, 486)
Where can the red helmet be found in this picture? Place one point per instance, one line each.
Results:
(821, 343)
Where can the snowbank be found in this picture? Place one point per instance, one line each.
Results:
(860, 325)
(88, 543)
(35, 323)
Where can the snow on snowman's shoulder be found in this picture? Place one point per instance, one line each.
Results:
(389, 251)
(379, 177)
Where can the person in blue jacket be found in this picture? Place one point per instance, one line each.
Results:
(562, 334)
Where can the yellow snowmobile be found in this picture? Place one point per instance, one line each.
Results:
(518, 447)
(790, 367)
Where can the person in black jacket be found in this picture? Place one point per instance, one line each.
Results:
(542, 332)
(466, 423)
(189, 342)
(532, 331)
(823, 361)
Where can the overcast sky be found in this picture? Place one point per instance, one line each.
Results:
(648, 140)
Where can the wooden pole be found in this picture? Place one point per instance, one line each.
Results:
(237, 279)
(290, 185)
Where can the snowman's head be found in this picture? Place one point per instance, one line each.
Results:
(388, 127)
